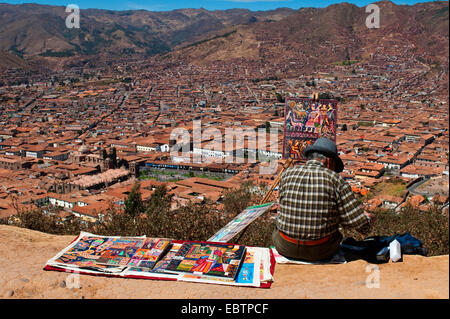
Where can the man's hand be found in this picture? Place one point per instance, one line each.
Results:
(370, 215)
(275, 207)
(367, 227)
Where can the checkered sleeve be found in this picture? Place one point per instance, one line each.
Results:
(350, 211)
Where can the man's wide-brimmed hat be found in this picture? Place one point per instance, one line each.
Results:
(328, 148)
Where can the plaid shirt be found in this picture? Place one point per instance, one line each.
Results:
(314, 201)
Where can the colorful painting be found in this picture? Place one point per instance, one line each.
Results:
(159, 269)
(305, 121)
(207, 259)
(161, 265)
(120, 251)
(159, 258)
(250, 270)
(149, 253)
(100, 252)
(239, 223)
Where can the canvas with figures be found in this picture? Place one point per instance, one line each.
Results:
(305, 121)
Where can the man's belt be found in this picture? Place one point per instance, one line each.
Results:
(305, 242)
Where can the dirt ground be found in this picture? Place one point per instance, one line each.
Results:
(25, 252)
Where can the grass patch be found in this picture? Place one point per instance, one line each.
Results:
(363, 123)
(175, 176)
(394, 187)
(204, 175)
(144, 177)
(199, 221)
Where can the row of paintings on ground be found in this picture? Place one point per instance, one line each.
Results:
(166, 259)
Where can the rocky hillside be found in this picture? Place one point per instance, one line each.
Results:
(25, 252)
(10, 60)
(307, 37)
(31, 29)
(336, 33)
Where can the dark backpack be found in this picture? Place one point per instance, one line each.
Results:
(375, 249)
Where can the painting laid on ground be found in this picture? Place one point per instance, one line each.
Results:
(219, 260)
(166, 259)
(305, 121)
(112, 254)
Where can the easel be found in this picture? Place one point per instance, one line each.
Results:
(287, 164)
(266, 197)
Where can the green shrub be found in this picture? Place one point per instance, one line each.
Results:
(50, 223)
(117, 223)
(37, 220)
(236, 200)
(258, 233)
(430, 227)
(199, 221)
(196, 221)
(133, 203)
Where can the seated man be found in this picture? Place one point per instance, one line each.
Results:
(313, 201)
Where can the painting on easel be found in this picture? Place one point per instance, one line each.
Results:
(306, 120)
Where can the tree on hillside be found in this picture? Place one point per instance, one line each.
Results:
(159, 201)
(236, 200)
(158, 219)
(134, 206)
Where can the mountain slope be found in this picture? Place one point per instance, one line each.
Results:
(337, 33)
(31, 29)
(300, 39)
(8, 60)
